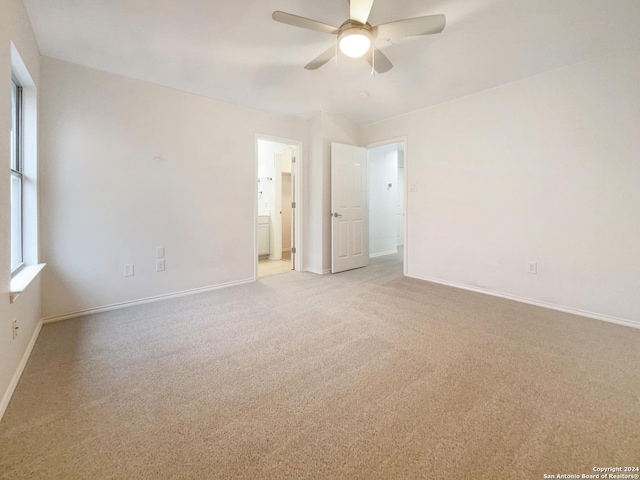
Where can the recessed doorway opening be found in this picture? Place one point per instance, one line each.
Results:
(277, 213)
(386, 190)
(387, 201)
(368, 203)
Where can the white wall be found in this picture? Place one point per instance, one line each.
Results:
(314, 197)
(383, 200)
(545, 169)
(14, 27)
(107, 202)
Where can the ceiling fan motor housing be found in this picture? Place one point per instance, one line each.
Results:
(355, 38)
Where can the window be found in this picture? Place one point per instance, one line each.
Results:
(17, 176)
(23, 178)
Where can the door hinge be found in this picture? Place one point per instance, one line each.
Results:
(293, 249)
(293, 159)
(293, 204)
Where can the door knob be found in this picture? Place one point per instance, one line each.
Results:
(337, 215)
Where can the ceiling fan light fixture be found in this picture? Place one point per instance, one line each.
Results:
(355, 35)
(354, 42)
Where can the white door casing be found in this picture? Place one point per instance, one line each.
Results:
(287, 216)
(349, 212)
(293, 214)
(400, 207)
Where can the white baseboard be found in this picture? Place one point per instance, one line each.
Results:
(552, 306)
(318, 272)
(390, 252)
(6, 398)
(142, 301)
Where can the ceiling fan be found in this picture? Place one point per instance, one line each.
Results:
(355, 36)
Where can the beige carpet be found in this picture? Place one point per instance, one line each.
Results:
(361, 375)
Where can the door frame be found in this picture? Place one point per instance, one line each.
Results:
(297, 198)
(404, 141)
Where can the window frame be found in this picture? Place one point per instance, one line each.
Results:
(17, 168)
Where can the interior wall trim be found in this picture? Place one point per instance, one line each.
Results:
(382, 254)
(142, 301)
(552, 306)
(318, 271)
(6, 398)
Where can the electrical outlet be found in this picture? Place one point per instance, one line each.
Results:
(159, 252)
(14, 328)
(533, 267)
(160, 265)
(128, 270)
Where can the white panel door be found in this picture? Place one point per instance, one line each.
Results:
(349, 213)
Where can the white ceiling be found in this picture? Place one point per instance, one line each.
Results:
(233, 51)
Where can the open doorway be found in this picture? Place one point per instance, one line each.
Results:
(368, 202)
(386, 190)
(277, 217)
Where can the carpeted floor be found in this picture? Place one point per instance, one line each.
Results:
(361, 375)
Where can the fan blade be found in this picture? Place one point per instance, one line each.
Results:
(411, 27)
(360, 10)
(321, 59)
(302, 22)
(381, 63)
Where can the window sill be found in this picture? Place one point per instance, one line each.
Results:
(21, 280)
